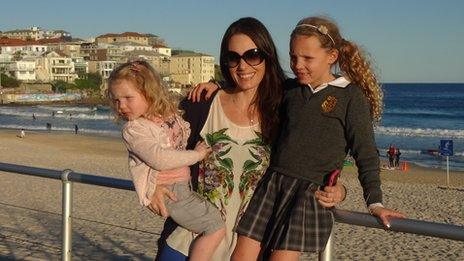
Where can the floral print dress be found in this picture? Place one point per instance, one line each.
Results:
(228, 177)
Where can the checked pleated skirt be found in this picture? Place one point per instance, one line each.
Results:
(283, 214)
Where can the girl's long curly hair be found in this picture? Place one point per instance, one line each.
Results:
(351, 59)
(145, 78)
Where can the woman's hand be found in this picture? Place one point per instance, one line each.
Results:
(384, 214)
(195, 94)
(157, 205)
(331, 196)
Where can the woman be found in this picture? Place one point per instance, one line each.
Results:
(239, 123)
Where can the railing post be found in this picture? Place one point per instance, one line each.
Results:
(66, 227)
(326, 255)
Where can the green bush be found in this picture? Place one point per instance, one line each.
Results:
(89, 81)
(9, 82)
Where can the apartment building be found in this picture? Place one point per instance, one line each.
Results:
(71, 49)
(190, 68)
(162, 49)
(159, 61)
(124, 37)
(22, 70)
(34, 33)
(104, 68)
(55, 66)
(12, 46)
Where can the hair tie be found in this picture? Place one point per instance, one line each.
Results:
(135, 66)
(322, 29)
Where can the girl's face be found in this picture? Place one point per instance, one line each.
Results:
(129, 102)
(246, 76)
(309, 61)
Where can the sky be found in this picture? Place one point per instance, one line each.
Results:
(407, 40)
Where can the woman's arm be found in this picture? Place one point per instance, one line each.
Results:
(210, 87)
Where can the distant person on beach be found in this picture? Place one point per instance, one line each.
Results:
(337, 113)
(49, 126)
(33, 116)
(22, 133)
(240, 123)
(53, 114)
(156, 136)
(76, 128)
(391, 156)
(397, 157)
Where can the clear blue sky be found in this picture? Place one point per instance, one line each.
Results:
(409, 41)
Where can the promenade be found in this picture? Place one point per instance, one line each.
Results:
(108, 224)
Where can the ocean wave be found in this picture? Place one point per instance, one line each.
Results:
(419, 132)
(92, 115)
(423, 112)
(67, 108)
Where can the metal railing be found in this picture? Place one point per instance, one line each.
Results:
(68, 176)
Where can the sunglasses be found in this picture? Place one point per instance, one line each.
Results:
(252, 57)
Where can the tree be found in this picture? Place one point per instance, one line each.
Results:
(9, 82)
(91, 81)
(60, 86)
(17, 56)
(217, 73)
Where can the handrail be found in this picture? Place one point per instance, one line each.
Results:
(412, 226)
(446, 231)
(72, 176)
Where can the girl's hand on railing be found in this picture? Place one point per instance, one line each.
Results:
(384, 214)
(331, 195)
(157, 205)
(195, 94)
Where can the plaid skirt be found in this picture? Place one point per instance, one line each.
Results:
(283, 214)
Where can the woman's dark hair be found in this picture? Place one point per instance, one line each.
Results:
(269, 93)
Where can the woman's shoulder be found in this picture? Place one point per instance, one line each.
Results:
(202, 103)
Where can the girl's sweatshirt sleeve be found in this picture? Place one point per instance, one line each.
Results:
(141, 141)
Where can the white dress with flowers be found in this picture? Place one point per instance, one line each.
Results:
(228, 177)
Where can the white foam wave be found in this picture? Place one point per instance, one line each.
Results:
(420, 112)
(419, 132)
(92, 115)
(67, 108)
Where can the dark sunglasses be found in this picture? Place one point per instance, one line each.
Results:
(252, 57)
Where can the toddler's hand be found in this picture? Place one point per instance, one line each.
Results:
(203, 149)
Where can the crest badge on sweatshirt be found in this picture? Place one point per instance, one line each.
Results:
(329, 104)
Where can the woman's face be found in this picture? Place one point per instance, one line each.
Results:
(246, 76)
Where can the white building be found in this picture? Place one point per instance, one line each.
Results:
(162, 49)
(33, 49)
(22, 70)
(55, 66)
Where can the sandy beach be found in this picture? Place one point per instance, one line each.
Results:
(109, 224)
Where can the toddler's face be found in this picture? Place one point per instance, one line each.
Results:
(129, 102)
(309, 61)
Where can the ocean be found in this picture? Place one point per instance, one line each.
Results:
(416, 117)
